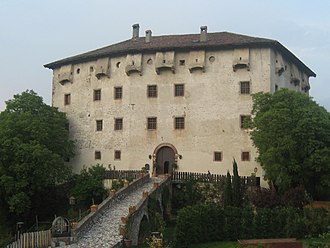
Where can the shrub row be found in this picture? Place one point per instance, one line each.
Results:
(206, 223)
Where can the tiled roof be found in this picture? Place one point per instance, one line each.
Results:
(219, 40)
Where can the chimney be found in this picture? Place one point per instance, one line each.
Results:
(203, 37)
(136, 28)
(148, 36)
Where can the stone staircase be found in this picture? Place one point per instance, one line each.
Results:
(104, 231)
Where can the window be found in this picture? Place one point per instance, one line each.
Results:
(245, 156)
(243, 119)
(276, 87)
(152, 123)
(99, 125)
(97, 95)
(182, 62)
(117, 155)
(245, 88)
(152, 91)
(97, 155)
(217, 156)
(67, 99)
(118, 123)
(179, 122)
(178, 90)
(118, 93)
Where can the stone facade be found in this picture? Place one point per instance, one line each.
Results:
(177, 104)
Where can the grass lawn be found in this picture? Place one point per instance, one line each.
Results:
(223, 244)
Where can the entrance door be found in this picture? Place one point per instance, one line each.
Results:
(164, 160)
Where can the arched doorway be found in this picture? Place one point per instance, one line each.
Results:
(165, 158)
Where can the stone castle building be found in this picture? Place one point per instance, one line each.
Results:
(172, 99)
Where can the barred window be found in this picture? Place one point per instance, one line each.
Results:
(178, 90)
(152, 123)
(179, 123)
(217, 156)
(245, 88)
(67, 99)
(245, 156)
(118, 93)
(97, 155)
(97, 95)
(243, 119)
(99, 125)
(117, 155)
(152, 91)
(118, 123)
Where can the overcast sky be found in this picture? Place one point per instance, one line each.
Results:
(36, 32)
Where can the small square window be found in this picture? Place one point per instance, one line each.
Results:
(178, 90)
(97, 95)
(67, 99)
(245, 156)
(152, 123)
(118, 93)
(244, 119)
(182, 62)
(99, 125)
(118, 123)
(97, 155)
(117, 155)
(179, 123)
(217, 156)
(245, 88)
(152, 91)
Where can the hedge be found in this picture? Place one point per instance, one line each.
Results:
(207, 223)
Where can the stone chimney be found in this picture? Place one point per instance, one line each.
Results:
(136, 30)
(203, 36)
(148, 36)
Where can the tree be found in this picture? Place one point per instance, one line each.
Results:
(237, 190)
(88, 185)
(34, 143)
(292, 135)
(227, 194)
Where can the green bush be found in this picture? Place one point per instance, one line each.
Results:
(206, 223)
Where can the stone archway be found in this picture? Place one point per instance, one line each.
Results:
(165, 156)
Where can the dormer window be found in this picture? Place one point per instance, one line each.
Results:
(241, 59)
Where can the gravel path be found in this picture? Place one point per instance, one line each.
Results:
(105, 233)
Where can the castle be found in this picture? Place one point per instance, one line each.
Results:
(172, 101)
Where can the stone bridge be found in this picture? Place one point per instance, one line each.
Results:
(126, 215)
(140, 221)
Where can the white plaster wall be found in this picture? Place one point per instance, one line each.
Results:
(212, 106)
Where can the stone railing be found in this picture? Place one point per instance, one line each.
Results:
(86, 223)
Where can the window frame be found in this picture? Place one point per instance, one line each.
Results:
(152, 125)
(67, 99)
(117, 155)
(152, 93)
(97, 95)
(245, 156)
(118, 95)
(99, 125)
(177, 124)
(97, 155)
(215, 153)
(118, 124)
(177, 91)
(245, 87)
(242, 119)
